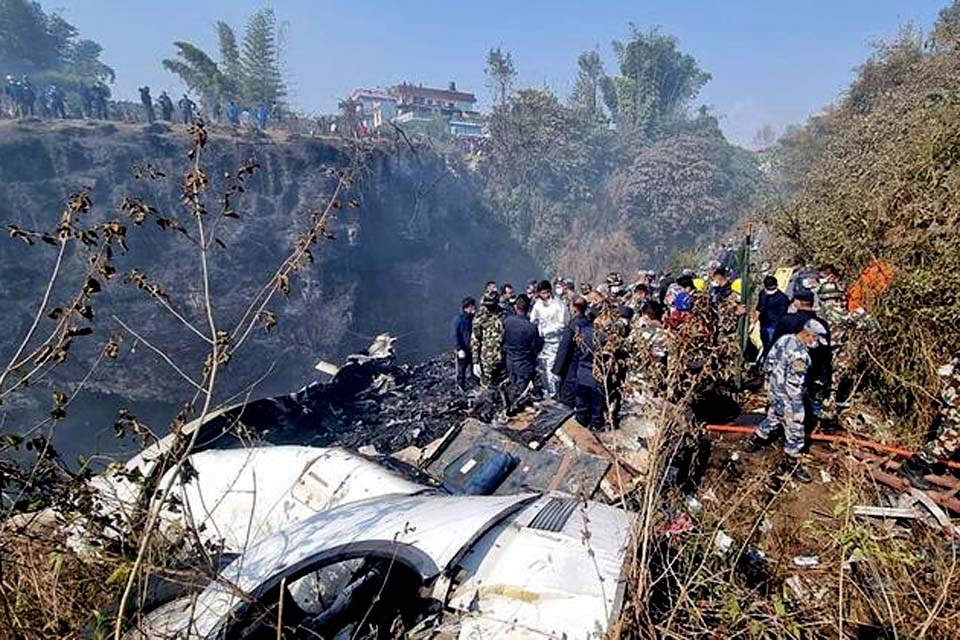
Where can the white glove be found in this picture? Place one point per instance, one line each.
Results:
(476, 370)
(462, 354)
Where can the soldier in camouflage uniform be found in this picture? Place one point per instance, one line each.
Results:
(486, 342)
(786, 367)
(648, 344)
(947, 442)
(842, 323)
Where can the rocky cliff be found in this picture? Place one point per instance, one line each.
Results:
(421, 239)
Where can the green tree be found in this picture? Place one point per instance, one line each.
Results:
(198, 71)
(252, 76)
(229, 60)
(45, 46)
(260, 60)
(656, 79)
(501, 73)
(589, 83)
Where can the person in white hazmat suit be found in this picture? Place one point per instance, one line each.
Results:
(551, 315)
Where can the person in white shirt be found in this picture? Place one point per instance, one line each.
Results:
(551, 315)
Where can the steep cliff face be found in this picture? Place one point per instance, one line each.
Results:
(421, 239)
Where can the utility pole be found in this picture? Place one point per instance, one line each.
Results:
(746, 291)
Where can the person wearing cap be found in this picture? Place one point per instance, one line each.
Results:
(486, 342)
(821, 369)
(521, 347)
(462, 330)
(551, 317)
(947, 442)
(615, 286)
(569, 290)
(786, 370)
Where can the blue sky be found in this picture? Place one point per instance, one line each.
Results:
(772, 61)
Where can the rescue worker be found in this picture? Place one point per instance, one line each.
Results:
(568, 353)
(551, 317)
(166, 106)
(641, 292)
(261, 116)
(147, 103)
(721, 288)
(786, 368)
(462, 330)
(615, 285)
(508, 298)
(821, 369)
(186, 109)
(490, 287)
(589, 404)
(947, 441)
(772, 305)
(522, 345)
(649, 342)
(486, 341)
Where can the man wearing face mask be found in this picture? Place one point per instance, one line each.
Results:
(551, 317)
(786, 369)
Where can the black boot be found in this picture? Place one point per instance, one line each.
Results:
(792, 466)
(913, 469)
(757, 444)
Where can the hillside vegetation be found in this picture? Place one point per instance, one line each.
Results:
(626, 173)
(876, 177)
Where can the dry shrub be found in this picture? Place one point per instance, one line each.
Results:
(873, 578)
(47, 590)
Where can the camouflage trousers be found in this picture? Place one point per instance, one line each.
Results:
(787, 414)
(946, 444)
(492, 373)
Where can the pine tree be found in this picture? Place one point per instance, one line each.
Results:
(260, 61)
(229, 61)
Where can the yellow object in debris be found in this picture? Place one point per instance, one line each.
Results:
(755, 335)
(737, 286)
(783, 275)
(699, 284)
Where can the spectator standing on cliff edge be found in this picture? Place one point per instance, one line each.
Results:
(186, 109)
(147, 102)
(166, 106)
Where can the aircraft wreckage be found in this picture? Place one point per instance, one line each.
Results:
(439, 525)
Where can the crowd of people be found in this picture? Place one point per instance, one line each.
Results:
(669, 335)
(91, 101)
(21, 99)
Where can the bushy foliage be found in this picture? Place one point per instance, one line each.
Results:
(252, 75)
(45, 45)
(607, 180)
(882, 178)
